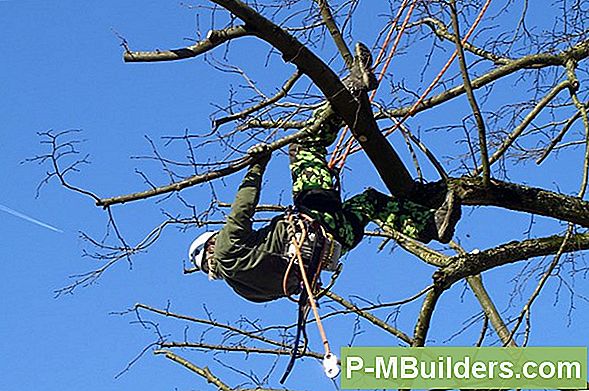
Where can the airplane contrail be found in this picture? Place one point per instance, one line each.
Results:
(28, 218)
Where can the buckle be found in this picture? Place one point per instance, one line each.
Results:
(330, 254)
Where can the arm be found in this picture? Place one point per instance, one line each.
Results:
(239, 220)
(238, 225)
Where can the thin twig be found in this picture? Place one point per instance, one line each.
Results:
(510, 139)
(371, 318)
(267, 102)
(336, 34)
(471, 98)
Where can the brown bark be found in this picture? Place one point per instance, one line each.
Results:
(356, 113)
(507, 195)
(471, 264)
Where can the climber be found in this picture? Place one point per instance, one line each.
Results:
(254, 262)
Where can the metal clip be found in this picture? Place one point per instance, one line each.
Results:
(330, 366)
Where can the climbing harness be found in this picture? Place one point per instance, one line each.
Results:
(313, 249)
(329, 249)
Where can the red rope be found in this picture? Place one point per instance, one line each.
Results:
(336, 155)
(341, 160)
(431, 86)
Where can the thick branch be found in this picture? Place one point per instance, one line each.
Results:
(425, 316)
(356, 113)
(522, 198)
(329, 21)
(509, 196)
(540, 60)
(214, 38)
(471, 264)
(490, 310)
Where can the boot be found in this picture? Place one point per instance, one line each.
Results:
(361, 77)
(363, 60)
(440, 226)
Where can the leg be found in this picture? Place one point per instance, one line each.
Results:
(315, 189)
(314, 183)
(409, 218)
(348, 223)
(405, 216)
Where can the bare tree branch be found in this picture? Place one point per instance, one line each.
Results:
(470, 264)
(214, 38)
(471, 98)
(424, 319)
(441, 30)
(540, 60)
(329, 21)
(371, 318)
(510, 139)
(203, 372)
(244, 113)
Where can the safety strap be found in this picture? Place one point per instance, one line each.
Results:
(301, 329)
(307, 298)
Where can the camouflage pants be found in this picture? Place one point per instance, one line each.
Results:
(315, 193)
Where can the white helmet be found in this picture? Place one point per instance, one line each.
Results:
(196, 253)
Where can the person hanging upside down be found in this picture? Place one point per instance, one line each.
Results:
(254, 262)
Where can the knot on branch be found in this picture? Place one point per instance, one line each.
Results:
(440, 280)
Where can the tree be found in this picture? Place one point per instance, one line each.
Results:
(471, 53)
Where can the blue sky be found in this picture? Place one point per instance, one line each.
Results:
(62, 69)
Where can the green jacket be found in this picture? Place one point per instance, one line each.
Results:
(252, 261)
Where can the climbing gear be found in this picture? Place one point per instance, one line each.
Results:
(329, 253)
(310, 254)
(196, 252)
(341, 153)
(319, 249)
(344, 149)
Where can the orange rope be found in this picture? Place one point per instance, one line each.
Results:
(311, 297)
(390, 33)
(285, 281)
(395, 45)
(292, 259)
(411, 111)
(335, 155)
(341, 160)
